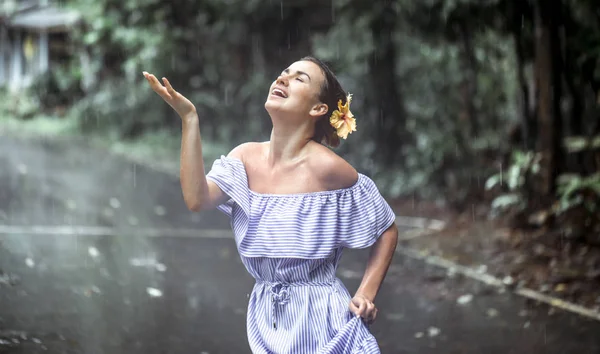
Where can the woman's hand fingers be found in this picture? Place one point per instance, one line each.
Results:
(363, 308)
(170, 89)
(157, 86)
(358, 306)
(371, 314)
(178, 102)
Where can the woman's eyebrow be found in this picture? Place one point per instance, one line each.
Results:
(298, 72)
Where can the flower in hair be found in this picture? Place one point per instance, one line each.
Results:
(342, 119)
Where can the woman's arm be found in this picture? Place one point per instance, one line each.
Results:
(198, 193)
(380, 259)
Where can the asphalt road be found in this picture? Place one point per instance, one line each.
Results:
(146, 275)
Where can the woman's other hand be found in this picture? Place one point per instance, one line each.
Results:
(363, 307)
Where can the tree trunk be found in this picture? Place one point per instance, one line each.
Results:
(387, 98)
(470, 68)
(549, 94)
(528, 124)
(575, 118)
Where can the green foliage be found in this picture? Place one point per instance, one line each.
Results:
(18, 106)
(572, 189)
(523, 166)
(579, 143)
(429, 74)
(223, 54)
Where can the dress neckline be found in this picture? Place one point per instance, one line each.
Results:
(291, 195)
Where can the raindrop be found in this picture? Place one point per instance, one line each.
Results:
(30, 263)
(281, 3)
(226, 95)
(134, 175)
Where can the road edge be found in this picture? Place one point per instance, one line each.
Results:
(484, 277)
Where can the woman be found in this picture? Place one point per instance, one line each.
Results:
(294, 205)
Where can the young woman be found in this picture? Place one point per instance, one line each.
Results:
(294, 206)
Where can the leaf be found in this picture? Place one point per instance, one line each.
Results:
(493, 181)
(506, 200)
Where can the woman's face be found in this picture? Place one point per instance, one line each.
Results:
(296, 91)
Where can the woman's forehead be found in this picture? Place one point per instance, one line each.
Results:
(307, 68)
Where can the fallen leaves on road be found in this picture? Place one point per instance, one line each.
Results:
(115, 203)
(465, 299)
(153, 292)
(93, 252)
(160, 210)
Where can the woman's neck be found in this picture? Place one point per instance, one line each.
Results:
(288, 144)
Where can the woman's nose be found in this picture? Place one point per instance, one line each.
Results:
(282, 80)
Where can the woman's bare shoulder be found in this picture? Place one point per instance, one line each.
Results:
(246, 149)
(333, 171)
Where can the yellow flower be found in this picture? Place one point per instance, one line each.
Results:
(342, 119)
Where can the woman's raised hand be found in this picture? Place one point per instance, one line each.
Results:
(177, 101)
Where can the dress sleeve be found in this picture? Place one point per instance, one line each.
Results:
(229, 175)
(371, 215)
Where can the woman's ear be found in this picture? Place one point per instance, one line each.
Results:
(319, 110)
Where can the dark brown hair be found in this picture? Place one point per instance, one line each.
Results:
(331, 93)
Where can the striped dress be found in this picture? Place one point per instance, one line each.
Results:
(291, 244)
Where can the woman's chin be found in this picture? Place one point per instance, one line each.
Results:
(272, 105)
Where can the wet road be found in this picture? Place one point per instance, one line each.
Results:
(152, 277)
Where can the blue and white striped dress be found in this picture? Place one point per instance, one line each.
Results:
(291, 244)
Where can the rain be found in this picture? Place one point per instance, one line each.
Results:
(478, 123)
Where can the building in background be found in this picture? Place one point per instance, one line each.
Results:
(33, 35)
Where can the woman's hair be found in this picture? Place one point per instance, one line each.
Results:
(331, 93)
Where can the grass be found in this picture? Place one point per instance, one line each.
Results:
(47, 126)
(157, 149)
